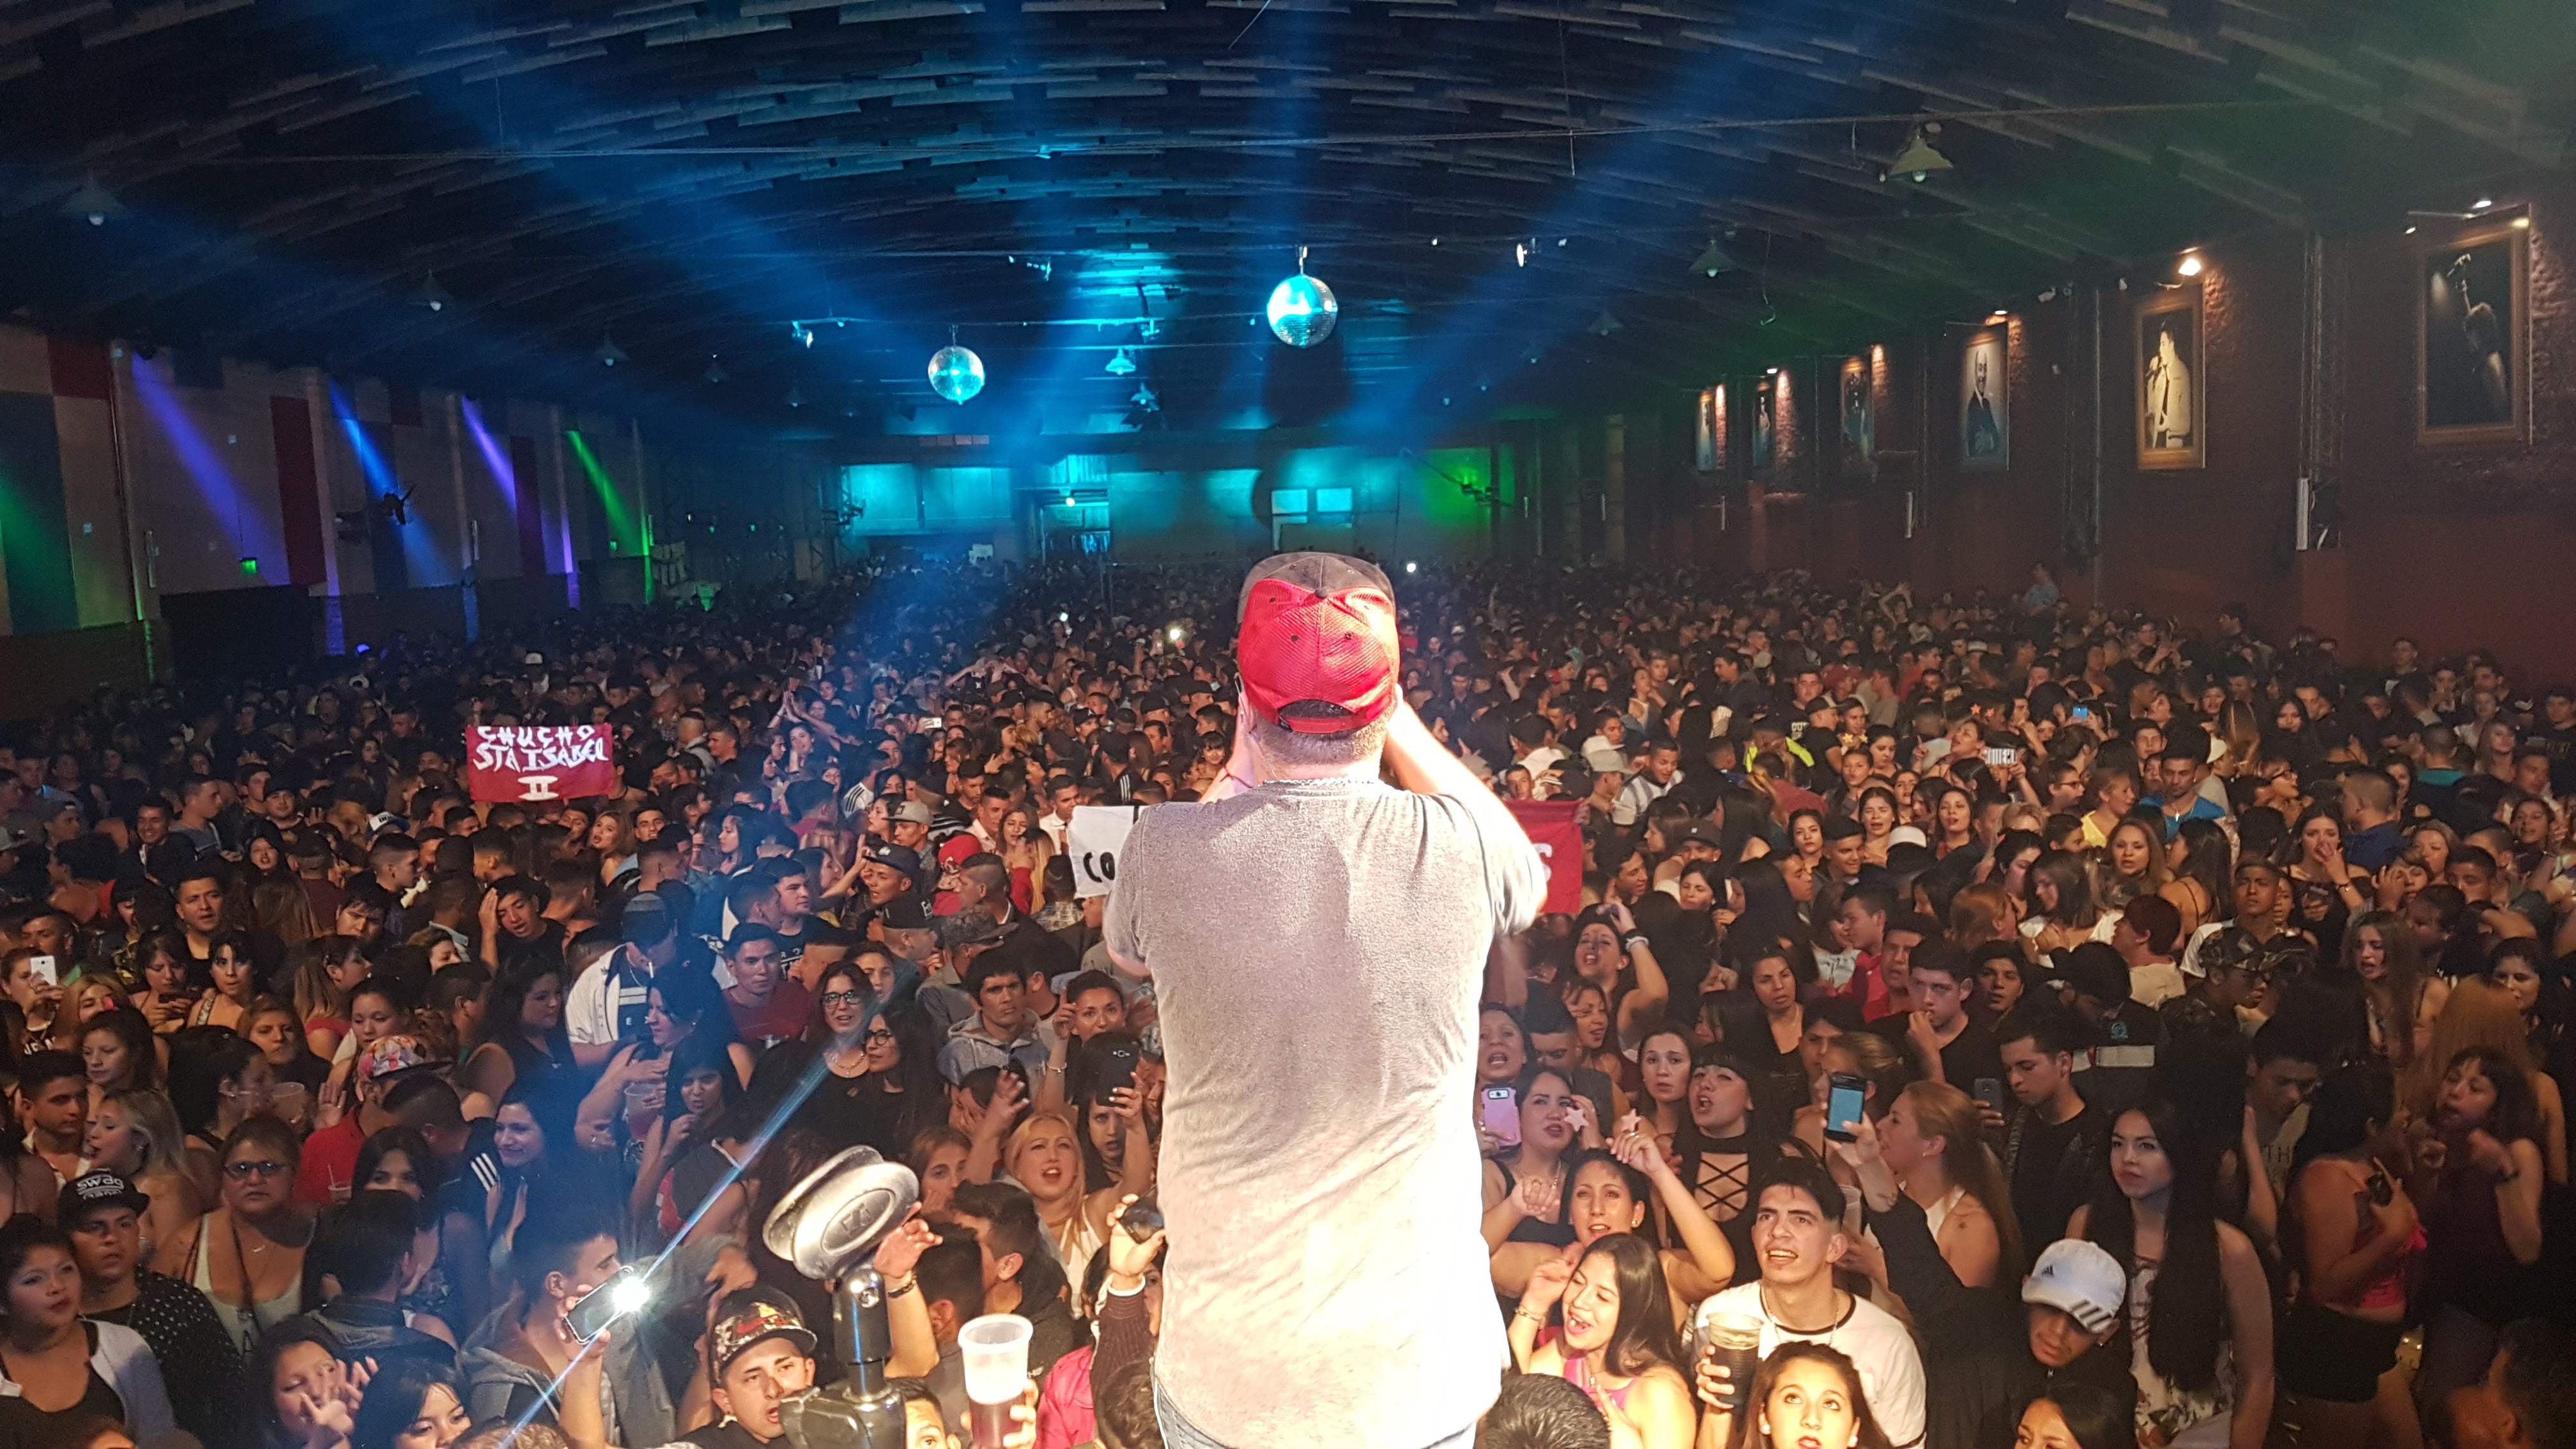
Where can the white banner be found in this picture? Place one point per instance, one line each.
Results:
(1095, 837)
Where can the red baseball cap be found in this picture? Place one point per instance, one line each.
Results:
(1318, 628)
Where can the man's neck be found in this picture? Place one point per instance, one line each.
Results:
(2063, 1107)
(1809, 1307)
(50, 1144)
(1003, 1297)
(1946, 1034)
(97, 1298)
(1012, 1033)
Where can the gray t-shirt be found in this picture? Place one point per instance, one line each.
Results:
(1318, 949)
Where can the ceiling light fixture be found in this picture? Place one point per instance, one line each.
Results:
(2189, 266)
(2483, 203)
(609, 353)
(715, 372)
(1120, 365)
(1714, 262)
(795, 396)
(1919, 160)
(93, 203)
(1604, 325)
(431, 295)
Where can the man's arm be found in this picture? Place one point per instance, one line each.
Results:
(1517, 876)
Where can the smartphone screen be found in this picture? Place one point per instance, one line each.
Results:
(1990, 1090)
(623, 1293)
(1501, 1114)
(1842, 1105)
(42, 968)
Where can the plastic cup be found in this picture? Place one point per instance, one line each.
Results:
(995, 1350)
(1735, 1344)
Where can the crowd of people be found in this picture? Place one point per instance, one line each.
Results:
(1987, 1022)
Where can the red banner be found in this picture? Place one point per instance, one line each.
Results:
(1551, 827)
(539, 762)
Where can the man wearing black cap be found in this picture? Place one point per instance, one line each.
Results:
(200, 1365)
(1317, 942)
(606, 1005)
(763, 1355)
(2094, 981)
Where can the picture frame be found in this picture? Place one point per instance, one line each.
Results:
(1985, 400)
(2473, 335)
(1856, 420)
(1766, 422)
(2171, 402)
(1712, 429)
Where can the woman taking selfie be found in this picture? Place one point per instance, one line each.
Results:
(1605, 1325)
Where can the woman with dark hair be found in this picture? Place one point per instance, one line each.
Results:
(1614, 956)
(232, 963)
(56, 1366)
(324, 971)
(1724, 1146)
(1772, 915)
(399, 1159)
(301, 1395)
(1806, 1395)
(161, 964)
(1612, 1337)
(1778, 989)
(2349, 1231)
(2379, 955)
(698, 1149)
(248, 1255)
(2202, 860)
(2479, 1178)
(523, 1030)
(2324, 891)
(2062, 909)
(2199, 1310)
(2520, 967)
(217, 1080)
(1663, 1091)
(2077, 1416)
(118, 1052)
(1555, 1122)
(416, 1403)
(881, 1083)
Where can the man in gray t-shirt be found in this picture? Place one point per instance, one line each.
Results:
(1317, 940)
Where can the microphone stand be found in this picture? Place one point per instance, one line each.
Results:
(862, 1411)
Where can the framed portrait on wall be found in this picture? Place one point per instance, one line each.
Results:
(2173, 394)
(2473, 342)
(1766, 440)
(1856, 405)
(1985, 401)
(1712, 429)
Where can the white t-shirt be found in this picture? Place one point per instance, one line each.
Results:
(1317, 949)
(1891, 1371)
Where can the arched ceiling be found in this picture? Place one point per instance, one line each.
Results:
(688, 176)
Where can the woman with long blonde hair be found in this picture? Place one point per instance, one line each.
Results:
(2482, 1014)
(135, 1134)
(1044, 1155)
(1933, 1139)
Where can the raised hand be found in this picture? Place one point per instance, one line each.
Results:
(1546, 1285)
(901, 1249)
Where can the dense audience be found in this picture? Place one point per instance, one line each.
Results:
(1986, 1022)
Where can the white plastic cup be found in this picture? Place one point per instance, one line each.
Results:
(995, 1349)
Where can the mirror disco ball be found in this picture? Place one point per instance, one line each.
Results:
(1302, 311)
(956, 373)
